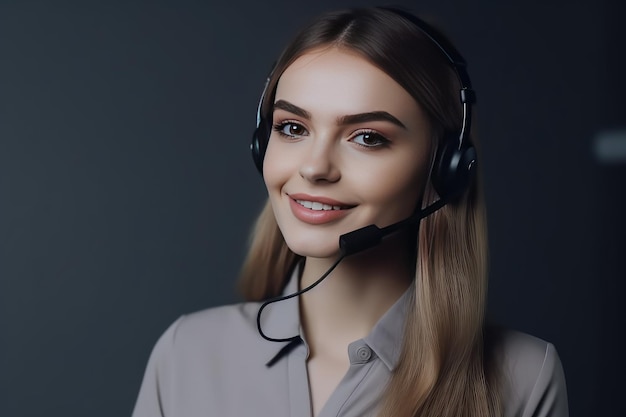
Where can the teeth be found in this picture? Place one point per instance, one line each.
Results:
(314, 205)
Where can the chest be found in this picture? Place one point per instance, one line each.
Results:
(290, 387)
(331, 389)
(324, 375)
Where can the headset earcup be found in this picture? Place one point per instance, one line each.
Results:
(258, 146)
(454, 168)
(257, 150)
(261, 135)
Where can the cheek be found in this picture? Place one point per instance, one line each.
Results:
(278, 167)
(273, 167)
(400, 195)
(396, 188)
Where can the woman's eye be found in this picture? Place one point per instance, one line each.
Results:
(370, 139)
(290, 129)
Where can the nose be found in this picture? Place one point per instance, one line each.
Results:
(319, 164)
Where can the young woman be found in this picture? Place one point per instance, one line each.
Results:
(365, 120)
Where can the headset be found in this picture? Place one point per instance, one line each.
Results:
(455, 160)
(451, 172)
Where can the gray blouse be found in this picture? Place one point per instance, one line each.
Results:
(215, 363)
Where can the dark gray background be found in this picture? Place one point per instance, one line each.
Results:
(127, 190)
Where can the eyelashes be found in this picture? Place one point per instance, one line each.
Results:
(365, 138)
(290, 129)
(370, 139)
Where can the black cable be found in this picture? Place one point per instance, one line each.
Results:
(286, 297)
(349, 244)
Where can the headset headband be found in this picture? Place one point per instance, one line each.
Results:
(455, 161)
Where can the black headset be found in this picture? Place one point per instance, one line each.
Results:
(455, 161)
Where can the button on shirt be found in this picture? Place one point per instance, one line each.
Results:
(215, 363)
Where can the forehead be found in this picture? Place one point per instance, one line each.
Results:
(341, 81)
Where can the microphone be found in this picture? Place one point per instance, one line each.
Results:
(350, 243)
(369, 236)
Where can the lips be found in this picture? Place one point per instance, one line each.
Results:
(317, 210)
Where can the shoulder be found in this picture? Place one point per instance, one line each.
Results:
(211, 328)
(204, 362)
(533, 381)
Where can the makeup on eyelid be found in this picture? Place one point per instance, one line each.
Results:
(367, 134)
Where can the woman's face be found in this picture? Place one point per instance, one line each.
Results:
(349, 147)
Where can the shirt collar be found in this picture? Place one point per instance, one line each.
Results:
(387, 336)
(282, 320)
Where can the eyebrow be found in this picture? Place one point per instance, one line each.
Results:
(292, 108)
(373, 116)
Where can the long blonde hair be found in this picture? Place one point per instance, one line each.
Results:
(444, 368)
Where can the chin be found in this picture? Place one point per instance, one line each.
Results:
(314, 249)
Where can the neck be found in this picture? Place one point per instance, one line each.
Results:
(348, 303)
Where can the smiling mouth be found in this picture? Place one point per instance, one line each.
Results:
(317, 206)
